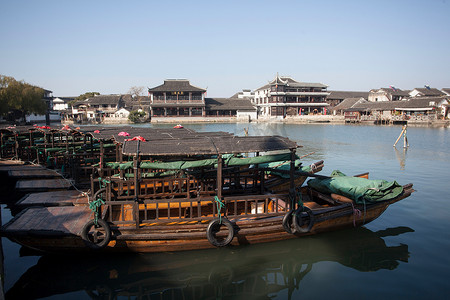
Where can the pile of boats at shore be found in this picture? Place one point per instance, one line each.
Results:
(172, 189)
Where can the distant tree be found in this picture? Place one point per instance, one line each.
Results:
(82, 97)
(86, 96)
(20, 96)
(136, 92)
(137, 116)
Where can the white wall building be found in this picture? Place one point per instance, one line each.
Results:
(286, 97)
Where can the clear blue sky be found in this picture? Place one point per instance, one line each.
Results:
(71, 47)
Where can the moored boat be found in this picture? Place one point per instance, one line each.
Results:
(176, 192)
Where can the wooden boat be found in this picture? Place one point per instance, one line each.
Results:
(195, 191)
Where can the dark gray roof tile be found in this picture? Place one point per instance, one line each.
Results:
(176, 85)
(228, 104)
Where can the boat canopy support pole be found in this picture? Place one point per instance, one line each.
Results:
(292, 193)
(219, 176)
(102, 158)
(137, 186)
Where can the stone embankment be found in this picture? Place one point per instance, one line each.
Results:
(297, 119)
(309, 119)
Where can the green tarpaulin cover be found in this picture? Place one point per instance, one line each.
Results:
(228, 160)
(361, 190)
(284, 165)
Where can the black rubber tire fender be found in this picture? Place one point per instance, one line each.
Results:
(287, 222)
(298, 220)
(106, 237)
(214, 227)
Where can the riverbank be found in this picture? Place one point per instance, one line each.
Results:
(299, 119)
(308, 119)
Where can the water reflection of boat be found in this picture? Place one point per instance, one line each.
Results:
(258, 271)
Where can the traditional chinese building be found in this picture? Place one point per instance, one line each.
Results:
(177, 97)
(285, 96)
(426, 92)
(387, 94)
(242, 109)
(95, 109)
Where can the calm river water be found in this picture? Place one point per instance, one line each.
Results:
(404, 254)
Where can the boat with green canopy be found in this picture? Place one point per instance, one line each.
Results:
(174, 190)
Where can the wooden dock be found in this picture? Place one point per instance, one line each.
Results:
(18, 167)
(55, 198)
(33, 173)
(64, 221)
(42, 185)
(8, 162)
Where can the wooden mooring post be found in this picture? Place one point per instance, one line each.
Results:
(405, 139)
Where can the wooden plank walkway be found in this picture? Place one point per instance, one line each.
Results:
(8, 162)
(42, 185)
(7, 168)
(64, 220)
(55, 198)
(33, 173)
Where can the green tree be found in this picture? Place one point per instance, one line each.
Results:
(83, 97)
(86, 96)
(20, 96)
(137, 116)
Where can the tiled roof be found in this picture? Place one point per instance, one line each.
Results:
(65, 99)
(176, 85)
(228, 104)
(417, 102)
(291, 82)
(132, 102)
(446, 91)
(429, 92)
(101, 99)
(349, 103)
(346, 94)
(396, 92)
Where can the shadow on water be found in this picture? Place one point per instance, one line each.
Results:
(251, 272)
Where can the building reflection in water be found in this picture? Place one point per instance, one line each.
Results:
(257, 271)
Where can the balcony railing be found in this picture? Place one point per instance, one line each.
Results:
(178, 101)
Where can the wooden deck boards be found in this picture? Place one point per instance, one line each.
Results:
(55, 198)
(41, 185)
(6, 168)
(7, 162)
(33, 173)
(54, 220)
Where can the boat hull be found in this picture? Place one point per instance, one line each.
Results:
(179, 236)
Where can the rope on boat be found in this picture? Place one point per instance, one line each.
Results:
(219, 204)
(102, 182)
(356, 214)
(94, 206)
(63, 177)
